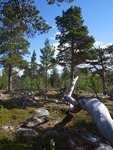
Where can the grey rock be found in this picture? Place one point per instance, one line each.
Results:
(7, 128)
(87, 137)
(34, 119)
(30, 124)
(26, 131)
(42, 112)
(104, 146)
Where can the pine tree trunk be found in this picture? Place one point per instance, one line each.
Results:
(10, 79)
(72, 62)
(104, 83)
(46, 80)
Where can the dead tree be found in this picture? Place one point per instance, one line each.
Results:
(97, 110)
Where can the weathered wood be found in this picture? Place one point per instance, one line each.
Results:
(100, 115)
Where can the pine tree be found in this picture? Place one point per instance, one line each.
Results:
(47, 58)
(51, 2)
(4, 79)
(33, 64)
(103, 63)
(74, 40)
(27, 12)
(29, 15)
(65, 76)
(13, 45)
(55, 78)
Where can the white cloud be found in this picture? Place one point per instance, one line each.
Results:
(57, 33)
(56, 44)
(52, 38)
(104, 46)
(83, 65)
(98, 43)
(53, 27)
(60, 68)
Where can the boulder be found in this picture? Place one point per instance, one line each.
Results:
(104, 146)
(26, 132)
(34, 119)
(7, 128)
(42, 112)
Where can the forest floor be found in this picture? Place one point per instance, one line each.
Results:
(67, 127)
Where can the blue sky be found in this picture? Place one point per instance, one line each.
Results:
(97, 15)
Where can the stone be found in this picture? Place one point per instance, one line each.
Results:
(104, 146)
(26, 132)
(87, 137)
(7, 128)
(30, 124)
(42, 112)
(34, 119)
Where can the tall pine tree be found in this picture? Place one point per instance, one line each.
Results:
(47, 58)
(13, 45)
(102, 63)
(74, 41)
(33, 64)
(27, 12)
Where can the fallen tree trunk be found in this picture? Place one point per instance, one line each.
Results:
(99, 113)
(97, 110)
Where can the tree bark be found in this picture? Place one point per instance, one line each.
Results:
(72, 61)
(46, 80)
(104, 83)
(10, 79)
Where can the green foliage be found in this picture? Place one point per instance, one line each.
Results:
(13, 45)
(1, 108)
(4, 79)
(74, 41)
(47, 55)
(90, 82)
(103, 62)
(54, 78)
(33, 64)
(27, 12)
(47, 58)
(52, 143)
(65, 77)
(109, 80)
(51, 2)
(95, 82)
